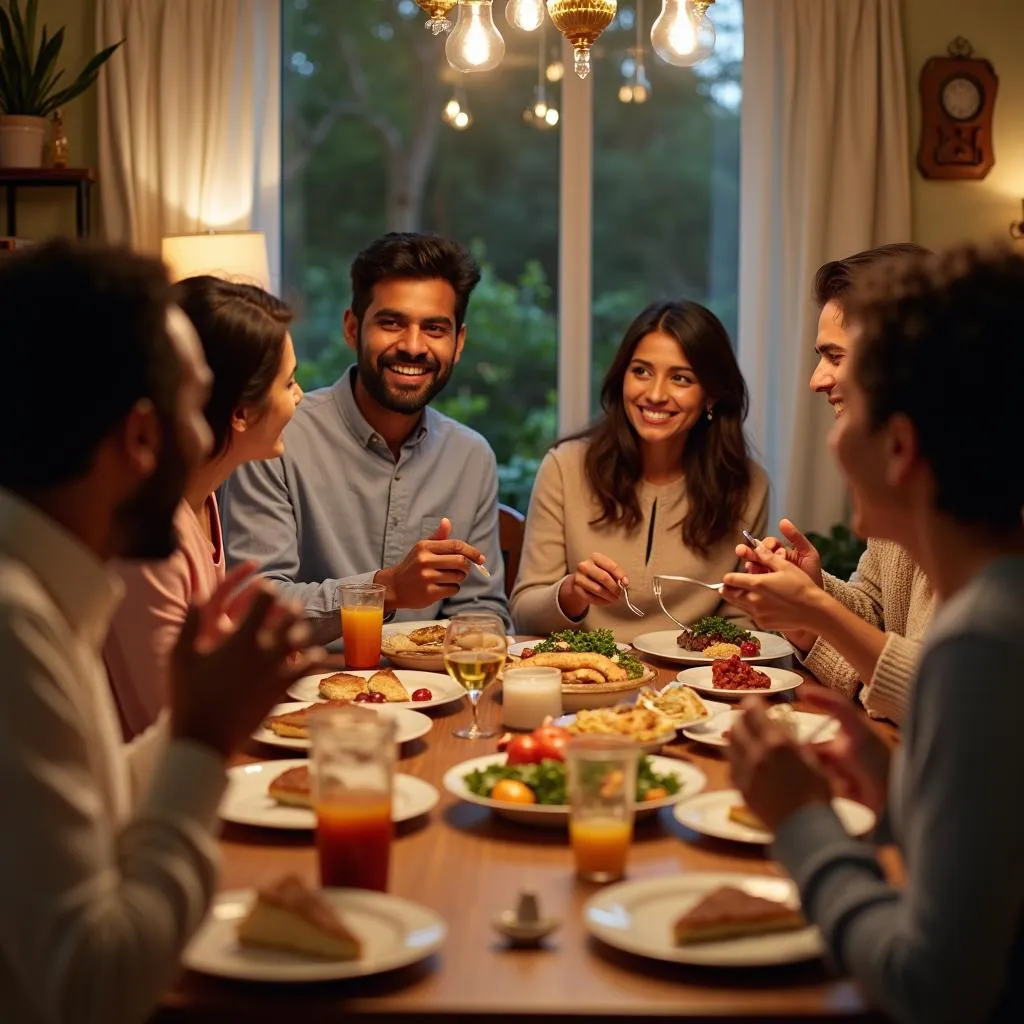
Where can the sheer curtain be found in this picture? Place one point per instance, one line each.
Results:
(825, 172)
(189, 120)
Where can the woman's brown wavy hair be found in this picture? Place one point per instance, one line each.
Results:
(716, 460)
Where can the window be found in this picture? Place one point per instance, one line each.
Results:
(380, 134)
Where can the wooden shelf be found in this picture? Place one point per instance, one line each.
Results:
(80, 179)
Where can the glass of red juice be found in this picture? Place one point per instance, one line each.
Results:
(353, 760)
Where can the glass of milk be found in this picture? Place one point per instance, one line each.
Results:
(529, 695)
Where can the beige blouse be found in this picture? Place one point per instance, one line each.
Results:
(559, 536)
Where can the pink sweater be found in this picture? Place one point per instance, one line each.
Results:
(146, 626)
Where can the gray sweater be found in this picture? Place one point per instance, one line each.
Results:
(950, 946)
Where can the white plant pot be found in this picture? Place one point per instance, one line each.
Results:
(21, 140)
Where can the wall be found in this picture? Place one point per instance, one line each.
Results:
(945, 212)
(44, 212)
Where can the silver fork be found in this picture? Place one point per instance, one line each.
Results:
(717, 587)
(629, 604)
(656, 583)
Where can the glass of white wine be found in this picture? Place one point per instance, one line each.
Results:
(475, 647)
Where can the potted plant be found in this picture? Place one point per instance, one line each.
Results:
(29, 82)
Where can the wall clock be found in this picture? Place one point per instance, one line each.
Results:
(958, 95)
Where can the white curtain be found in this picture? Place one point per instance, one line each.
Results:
(189, 119)
(825, 172)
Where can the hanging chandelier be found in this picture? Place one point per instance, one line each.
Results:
(581, 22)
(438, 10)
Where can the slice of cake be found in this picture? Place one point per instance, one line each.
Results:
(292, 787)
(295, 724)
(731, 913)
(290, 916)
(743, 815)
(342, 686)
(385, 681)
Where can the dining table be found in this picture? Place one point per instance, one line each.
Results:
(469, 864)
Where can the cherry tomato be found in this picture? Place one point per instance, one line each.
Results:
(523, 750)
(552, 740)
(511, 791)
(377, 698)
(361, 698)
(527, 652)
(749, 649)
(422, 694)
(656, 794)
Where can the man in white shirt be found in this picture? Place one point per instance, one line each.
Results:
(107, 864)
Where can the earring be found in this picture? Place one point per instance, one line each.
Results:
(710, 416)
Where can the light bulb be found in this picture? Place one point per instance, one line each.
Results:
(640, 93)
(462, 120)
(555, 71)
(540, 109)
(625, 94)
(683, 34)
(475, 44)
(551, 116)
(452, 108)
(527, 15)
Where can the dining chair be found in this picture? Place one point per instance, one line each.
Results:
(511, 529)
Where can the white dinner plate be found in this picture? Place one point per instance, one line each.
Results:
(409, 725)
(440, 684)
(708, 813)
(638, 918)
(246, 802)
(714, 707)
(518, 648)
(394, 932)
(650, 747)
(712, 731)
(691, 781)
(662, 644)
(700, 679)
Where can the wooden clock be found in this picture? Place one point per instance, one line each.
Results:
(958, 95)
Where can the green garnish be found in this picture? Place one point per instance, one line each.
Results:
(727, 633)
(547, 780)
(597, 641)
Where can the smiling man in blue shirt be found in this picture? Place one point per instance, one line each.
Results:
(374, 485)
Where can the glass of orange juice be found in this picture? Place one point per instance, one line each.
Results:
(601, 777)
(362, 621)
(353, 760)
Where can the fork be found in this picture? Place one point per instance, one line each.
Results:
(629, 604)
(656, 584)
(717, 587)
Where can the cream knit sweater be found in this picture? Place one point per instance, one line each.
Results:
(891, 592)
(559, 536)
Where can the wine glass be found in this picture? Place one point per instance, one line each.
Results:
(475, 646)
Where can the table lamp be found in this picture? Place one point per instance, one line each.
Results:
(233, 255)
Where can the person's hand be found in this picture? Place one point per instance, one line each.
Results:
(595, 581)
(433, 569)
(857, 760)
(802, 553)
(235, 657)
(774, 775)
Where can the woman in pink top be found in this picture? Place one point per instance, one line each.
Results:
(244, 333)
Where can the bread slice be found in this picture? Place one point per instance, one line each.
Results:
(428, 635)
(292, 787)
(342, 686)
(385, 681)
(288, 915)
(295, 724)
(743, 815)
(731, 913)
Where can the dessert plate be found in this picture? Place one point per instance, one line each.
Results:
(662, 644)
(440, 684)
(409, 725)
(713, 731)
(394, 932)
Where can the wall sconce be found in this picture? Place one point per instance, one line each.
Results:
(1017, 226)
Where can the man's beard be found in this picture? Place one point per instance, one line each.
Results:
(372, 376)
(145, 521)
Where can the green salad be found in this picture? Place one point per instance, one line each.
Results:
(547, 780)
(597, 641)
(723, 631)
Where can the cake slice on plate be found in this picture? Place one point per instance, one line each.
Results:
(292, 787)
(290, 916)
(730, 913)
(295, 724)
(385, 681)
(342, 686)
(743, 815)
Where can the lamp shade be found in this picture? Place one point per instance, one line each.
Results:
(233, 255)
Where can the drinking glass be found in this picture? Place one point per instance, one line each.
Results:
(475, 647)
(601, 777)
(353, 760)
(362, 622)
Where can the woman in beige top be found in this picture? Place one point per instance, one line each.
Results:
(661, 483)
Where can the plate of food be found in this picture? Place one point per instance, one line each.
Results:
(287, 725)
(648, 729)
(680, 704)
(803, 726)
(415, 645)
(403, 688)
(734, 679)
(289, 932)
(724, 815)
(719, 919)
(710, 638)
(526, 783)
(277, 794)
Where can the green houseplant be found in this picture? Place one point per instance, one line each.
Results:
(30, 82)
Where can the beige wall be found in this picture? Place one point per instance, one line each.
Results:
(947, 211)
(44, 212)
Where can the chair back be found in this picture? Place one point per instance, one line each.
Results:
(511, 529)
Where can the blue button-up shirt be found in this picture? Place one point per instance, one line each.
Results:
(338, 506)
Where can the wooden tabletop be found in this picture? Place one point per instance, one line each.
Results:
(468, 865)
